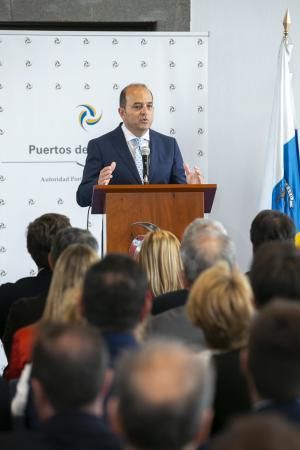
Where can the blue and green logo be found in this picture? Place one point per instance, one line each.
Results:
(88, 116)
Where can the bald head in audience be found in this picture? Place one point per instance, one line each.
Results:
(162, 398)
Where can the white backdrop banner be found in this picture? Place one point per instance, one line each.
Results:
(58, 91)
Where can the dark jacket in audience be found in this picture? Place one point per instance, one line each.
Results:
(231, 391)
(25, 311)
(175, 324)
(25, 287)
(168, 301)
(290, 410)
(75, 431)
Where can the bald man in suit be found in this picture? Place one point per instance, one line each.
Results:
(111, 157)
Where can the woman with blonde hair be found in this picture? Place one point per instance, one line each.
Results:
(62, 303)
(160, 257)
(221, 304)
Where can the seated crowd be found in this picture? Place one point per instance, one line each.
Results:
(175, 349)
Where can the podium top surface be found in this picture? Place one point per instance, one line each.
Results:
(100, 191)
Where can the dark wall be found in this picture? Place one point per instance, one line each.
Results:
(169, 15)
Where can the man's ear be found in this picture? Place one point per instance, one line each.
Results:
(80, 306)
(114, 417)
(121, 111)
(44, 408)
(107, 382)
(186, 283)
(244, 362)
(50, 262)
(244, 366)
(203, 434)
(147, 307)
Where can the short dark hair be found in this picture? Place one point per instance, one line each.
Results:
(266, 432)
(271, 225)
(275, 272)
(69, 361)
(40, 234)
(123, 99)
(156, 418)
(114, 293)
(70, 236)
(274, 348)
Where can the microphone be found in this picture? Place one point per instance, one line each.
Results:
(145, 151)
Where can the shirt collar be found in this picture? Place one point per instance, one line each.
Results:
(129, 136)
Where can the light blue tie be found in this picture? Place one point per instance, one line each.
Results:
(137, 143)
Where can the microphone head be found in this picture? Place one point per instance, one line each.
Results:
(145, 151)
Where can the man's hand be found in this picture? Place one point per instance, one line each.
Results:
(105, 174)
(193, 176)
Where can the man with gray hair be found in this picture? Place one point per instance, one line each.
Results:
(162, 398)
(205, 242)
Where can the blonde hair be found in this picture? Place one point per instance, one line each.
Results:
(161, 260)
(220, 303)
(65, 288)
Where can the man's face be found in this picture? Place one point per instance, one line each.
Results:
(137, 115)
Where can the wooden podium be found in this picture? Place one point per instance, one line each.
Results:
(169, 206)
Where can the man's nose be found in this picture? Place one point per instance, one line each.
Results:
(144, 109)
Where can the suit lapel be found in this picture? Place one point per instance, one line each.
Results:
(153, 154)
(121, 148)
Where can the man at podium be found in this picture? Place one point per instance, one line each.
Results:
(133, 153)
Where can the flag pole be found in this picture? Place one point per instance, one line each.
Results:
(286, 23)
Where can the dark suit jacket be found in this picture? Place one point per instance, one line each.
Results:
(23, 312)
(70, 431)
(25, 287)
(231, 390)
(290, 410)
(174, 324)
(169, 300)
(166, 164)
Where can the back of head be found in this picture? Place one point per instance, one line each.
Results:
(70, 236)
(40, 235)
(271, 225)
(255, 432)
(204, 243)
(220, 303)
(69, 362)
(275, 272)
(162, 391)
(114, 293)
(161, 260)
(274, 348)
(66, 284)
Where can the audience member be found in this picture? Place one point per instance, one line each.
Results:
(40, 234)
(273, 365)
(275, 272)
(115, 299)
(270, 225)
(5, 415)
(162, 398)
(68, 381)
(29, 310)
(204, 243)
(160, 257)
(263, 433)
(220, 304)
(62, 303)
